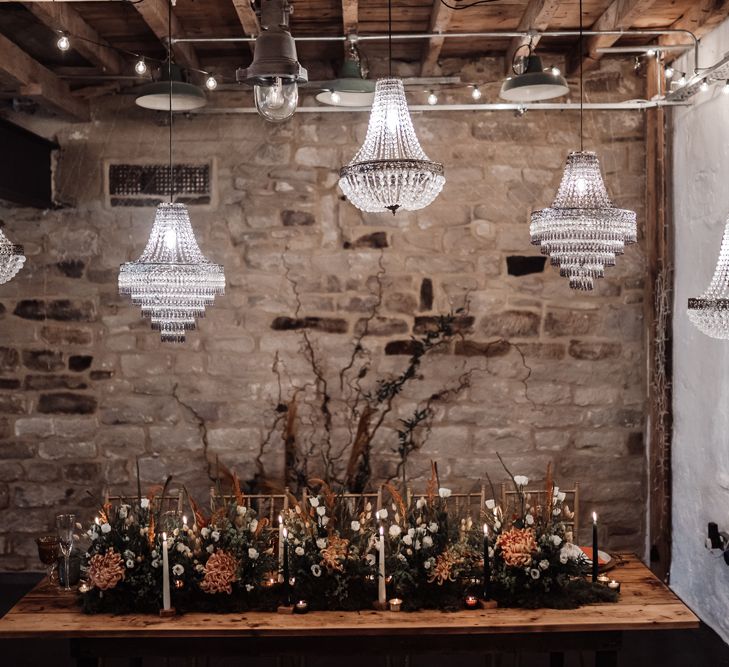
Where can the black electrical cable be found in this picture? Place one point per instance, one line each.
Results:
(469, 5)
(389, 34)
(582, 92)
(169, 74)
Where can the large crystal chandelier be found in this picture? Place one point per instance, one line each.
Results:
(582, 231)
(710, 311)
(391, 170)
(172, 281)
(11, 259)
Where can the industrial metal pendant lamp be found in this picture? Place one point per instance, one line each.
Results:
(582, 232)
(352, 88)
(391, 171)
(534, 83)
(185, 96)
(172, 281)
(275, 71)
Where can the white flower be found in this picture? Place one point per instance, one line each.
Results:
(355, 526)
(561, 496)
(529, 519)
(155, 563)
(252, 553)
(420, 503)
(210, 548)
(199, 567)
(316, 570)
(144, 503)
(181, 547)
(411, 531)
(521, 480)
(444, 493)
(556, 540)
(555, 490)
(428, 563)
(407, 539)
(534, 573)
(381, 514)
(556, 511)
(427, 541)
(215, 535)
(299, 551)
(130, 564)
(93, 535)
(205, 532)
(123, 512)
(562, 558)
(324, 520)
(155, 553)
(570, 551)
(544, 564)
(321, 543)
(128, 554)
(394, 530)
(490, 503)
(401, 557)
(254, 525)
(105, 528)
(417, 545)
(178, 570)
(370, 558)
(321, 510)
(314, 502)
(241, 510)
(433, 527)
(497, 524)
(368, 506)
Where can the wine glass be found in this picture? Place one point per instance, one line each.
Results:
(65, 524)
(48, 549)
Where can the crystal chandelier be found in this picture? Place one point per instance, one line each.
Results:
(172, 281)
(710, 312)
(391, 170)
(11, 259)
(582, 231)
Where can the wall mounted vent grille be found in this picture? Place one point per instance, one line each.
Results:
(149, 184)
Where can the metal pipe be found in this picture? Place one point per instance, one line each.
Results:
(464, 35)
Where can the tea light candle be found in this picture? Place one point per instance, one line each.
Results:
(395, 604)
(603, 579)
(614, 585)
(471, 602)
(301, 607)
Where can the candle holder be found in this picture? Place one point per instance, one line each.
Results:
(167, 613)
(603, 579)
(614, 585)
(471, 602)
(395, 604)
(301, 607)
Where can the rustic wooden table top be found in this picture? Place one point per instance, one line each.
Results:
(645, 604)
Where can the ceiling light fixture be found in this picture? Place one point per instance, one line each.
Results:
(432, 99)
(681, 79)
(668, 72)
(275, 71)
(391, 170)
(704, 86)
(140, 67)
(476, 93)
(172, 281)
(211, 83)
(11, 259)
(582, 231)
(156, 95)
(352, 88)
(531, 82)
(64, 42)
(725, 88)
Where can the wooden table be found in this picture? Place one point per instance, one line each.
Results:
(645, 604)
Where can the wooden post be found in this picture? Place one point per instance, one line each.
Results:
(658, 321)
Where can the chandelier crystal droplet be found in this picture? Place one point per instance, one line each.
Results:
(582, 232)
(391, 170)
(172, 281)
(11, 259)
(710, 312)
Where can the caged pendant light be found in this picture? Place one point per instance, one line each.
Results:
(710, 312)
(172, 281)
(582, 232)
(391, 170)
(11, 259)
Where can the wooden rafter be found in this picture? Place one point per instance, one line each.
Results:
(37, 82)
(537, 16)
(619, 15)
(701, 17)
(87, 41)
(155, 15)
(247, 17)
(350, 16)
(440, 18)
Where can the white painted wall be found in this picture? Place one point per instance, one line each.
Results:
(701, 364)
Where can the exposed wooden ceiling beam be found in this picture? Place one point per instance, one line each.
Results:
(701, 17)
(155, 15)
(247, 17)
(440, 18)
(619, 15)
(37, 82)
(350, 16)
(87, 41)
(537, 16)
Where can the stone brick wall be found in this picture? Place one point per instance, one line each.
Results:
(86, 387)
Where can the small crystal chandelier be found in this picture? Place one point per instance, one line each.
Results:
(710, 312)
(11, 259)
(172, 281)
(582, 231)
(391, 170)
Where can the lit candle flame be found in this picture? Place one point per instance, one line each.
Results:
(382, 531)
(594, 517)
(164, 537)
(280, 519)
(485, 530)
(184, 520)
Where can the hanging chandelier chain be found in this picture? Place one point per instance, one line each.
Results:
(389, 35)
(582, 93)
(169, 75)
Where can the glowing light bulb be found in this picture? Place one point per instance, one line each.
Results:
(63, 43)
(476, 93)
(432, 99)
(336, 97)
(556, 71)
(140, 67)
(682, 80)
(668, 72)
(650, 53)
(704, 86)
(211, 83)
(170, 239)
(725, 88)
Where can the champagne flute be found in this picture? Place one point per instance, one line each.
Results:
(65, 524)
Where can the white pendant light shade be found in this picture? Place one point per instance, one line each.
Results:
(710, 312)
(172, 281)
(391, 170)
(582, 231)
(11, 259)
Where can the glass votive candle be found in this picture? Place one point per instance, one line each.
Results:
(395, 604)
(471, 602)
(301, 607)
